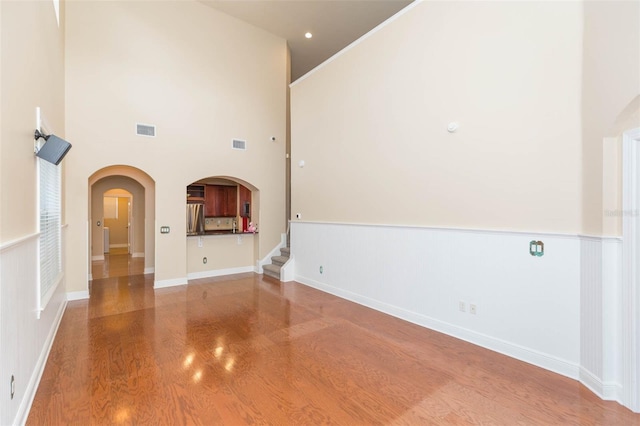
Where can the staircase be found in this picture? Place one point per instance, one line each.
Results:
(273, 270)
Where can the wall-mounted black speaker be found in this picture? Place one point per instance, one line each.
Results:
(54, 149)
(246, 209)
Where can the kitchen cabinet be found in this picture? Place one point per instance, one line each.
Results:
(230, 201)
(245, 200)
(221, 201)
(212, 196)
(195, 193)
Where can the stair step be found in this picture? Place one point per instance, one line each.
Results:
(285, 251)
(279, 260)
(272, 270)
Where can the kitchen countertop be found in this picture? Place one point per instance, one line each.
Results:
(221, 232)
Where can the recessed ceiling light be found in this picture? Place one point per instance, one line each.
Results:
(308, 35)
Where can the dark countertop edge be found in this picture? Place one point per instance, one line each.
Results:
(210, 233)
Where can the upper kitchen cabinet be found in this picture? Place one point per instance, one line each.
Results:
(213, 199)
(245, 201)
(221, 201)
(231, 201)
(195, 193)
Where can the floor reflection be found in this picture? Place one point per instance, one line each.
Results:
(242, 350)
(117, 263)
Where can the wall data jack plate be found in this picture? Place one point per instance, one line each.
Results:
(536, 248)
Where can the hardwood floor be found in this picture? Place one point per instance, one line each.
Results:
(246, 350)
(117, 263)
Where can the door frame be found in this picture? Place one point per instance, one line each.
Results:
(630, 295)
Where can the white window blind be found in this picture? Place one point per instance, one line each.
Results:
(50, 230)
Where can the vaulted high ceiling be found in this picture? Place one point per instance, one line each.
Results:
(334, 23)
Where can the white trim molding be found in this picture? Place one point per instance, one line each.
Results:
(630, 279)
(220, 272)
(170, 283)
(77, 295)
(12, 243)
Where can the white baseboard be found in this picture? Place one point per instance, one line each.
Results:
(170, 283)
(100, 257)
(608, 391)
(521, 353)
(138, 254)
(612, 392)
(591, 381)
(78, 295)
(149, 270)
(220, 272)
(34, 382)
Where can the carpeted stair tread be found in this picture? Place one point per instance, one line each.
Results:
(279, 260)
(272, 271)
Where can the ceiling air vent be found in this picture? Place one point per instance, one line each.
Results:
(145, 130)
(238, 144)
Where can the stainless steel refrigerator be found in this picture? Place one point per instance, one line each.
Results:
(195, 219)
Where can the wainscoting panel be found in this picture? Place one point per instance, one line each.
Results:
(612, 319)
(527, 307)
(25, 340)
(600, 316)
(591, 321)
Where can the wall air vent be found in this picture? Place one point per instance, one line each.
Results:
(239, 144)
(145, 130)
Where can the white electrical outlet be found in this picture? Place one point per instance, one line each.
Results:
(462, 306)
(472, 308)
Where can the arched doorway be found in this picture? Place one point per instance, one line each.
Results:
(115, 181)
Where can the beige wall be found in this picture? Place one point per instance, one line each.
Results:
(611, 70)
(202, 78)
(222, 252)
(371, 125)
(32, 75)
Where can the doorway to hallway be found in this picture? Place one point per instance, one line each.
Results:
(132, 253)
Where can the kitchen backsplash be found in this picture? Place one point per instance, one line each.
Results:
(218, 223)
